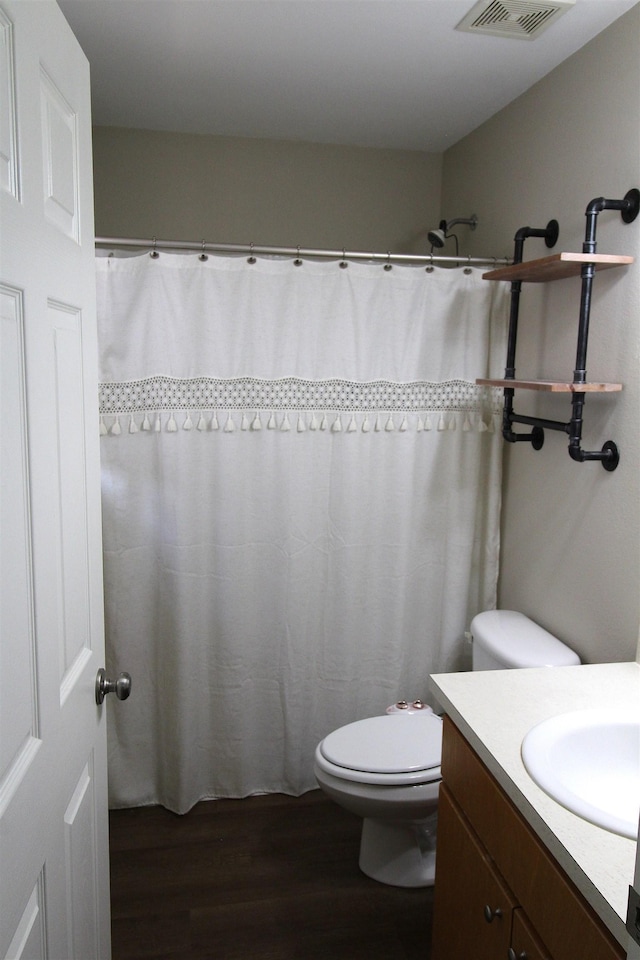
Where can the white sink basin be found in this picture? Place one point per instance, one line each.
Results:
(589, 761)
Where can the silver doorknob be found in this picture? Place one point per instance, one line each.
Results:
(121, 687)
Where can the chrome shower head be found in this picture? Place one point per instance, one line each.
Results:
(437, 237)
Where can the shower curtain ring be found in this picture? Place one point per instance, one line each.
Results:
(467, 269)
(343, 263)
(154, 253)
(430, 268)
(388, 265)
(251, 258)
(203, 255)
(297, 262)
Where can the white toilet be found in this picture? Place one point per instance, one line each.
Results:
(387, 768)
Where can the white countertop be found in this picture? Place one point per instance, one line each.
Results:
(495, 709)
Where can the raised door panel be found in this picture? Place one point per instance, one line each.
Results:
(29, 938)
(8, 128)
(59, 163)
(69, 495)
(467, 890)
(80, 844)
(18, 704)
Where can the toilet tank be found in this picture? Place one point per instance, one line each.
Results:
(507, 640)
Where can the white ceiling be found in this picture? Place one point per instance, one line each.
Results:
(377, 73)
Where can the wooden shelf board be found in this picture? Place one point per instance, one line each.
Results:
(556, 267)
(553, 386)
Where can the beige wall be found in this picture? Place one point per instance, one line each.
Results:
(189, 187)
(571, 531)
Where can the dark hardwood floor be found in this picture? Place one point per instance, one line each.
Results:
(266, 878)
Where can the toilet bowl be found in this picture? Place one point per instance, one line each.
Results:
(386, 769)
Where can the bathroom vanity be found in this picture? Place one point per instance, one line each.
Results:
(519, 876)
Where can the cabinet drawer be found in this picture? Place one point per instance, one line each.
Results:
(556, 909)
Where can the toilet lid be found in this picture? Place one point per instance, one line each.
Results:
(392, 743)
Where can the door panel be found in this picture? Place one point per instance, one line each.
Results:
(53, 800)
(28, 940)
(80, 834)
(18, 711)
(68, 493)
(59, 170)
(8, 129)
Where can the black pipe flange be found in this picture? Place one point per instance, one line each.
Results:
(537, 438)
(612, 458)
(551, 233)
(633, 199)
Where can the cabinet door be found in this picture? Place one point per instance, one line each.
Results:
(524, 943)
(472, 904)
(553, 905)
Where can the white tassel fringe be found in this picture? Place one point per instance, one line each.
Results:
(383, 422)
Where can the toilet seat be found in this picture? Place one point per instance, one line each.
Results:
(392, 749)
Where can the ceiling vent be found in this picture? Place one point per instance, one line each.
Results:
(517, 19)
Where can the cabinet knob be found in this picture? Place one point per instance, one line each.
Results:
(512, 955)
(489, 914)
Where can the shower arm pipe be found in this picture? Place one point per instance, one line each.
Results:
(472, 222)
(253, 249)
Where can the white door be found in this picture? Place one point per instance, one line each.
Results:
(54, 878)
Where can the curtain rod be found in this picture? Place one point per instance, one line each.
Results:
(253, 249)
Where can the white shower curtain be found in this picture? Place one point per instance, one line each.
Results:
(301, 488)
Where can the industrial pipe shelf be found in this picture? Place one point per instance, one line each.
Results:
(556, 267)
(552, 386)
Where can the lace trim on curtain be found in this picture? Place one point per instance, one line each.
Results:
(318, 404)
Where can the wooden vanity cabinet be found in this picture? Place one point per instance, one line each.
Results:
(499, 894)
